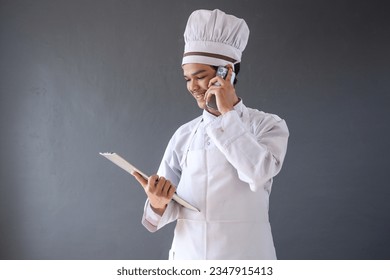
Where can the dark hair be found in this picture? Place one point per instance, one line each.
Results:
(236, 70)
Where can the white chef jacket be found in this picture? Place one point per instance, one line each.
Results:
(246, 144)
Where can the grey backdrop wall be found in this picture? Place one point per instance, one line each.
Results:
(80, 77)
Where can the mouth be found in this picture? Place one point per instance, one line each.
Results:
(198, 96)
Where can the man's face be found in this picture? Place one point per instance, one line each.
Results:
(197, 77)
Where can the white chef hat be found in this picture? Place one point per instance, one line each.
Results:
(214, 38)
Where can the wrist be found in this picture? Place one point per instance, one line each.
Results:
(223, 112)
(227, 110)
(159, 210)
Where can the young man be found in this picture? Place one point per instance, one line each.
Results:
(222, 162)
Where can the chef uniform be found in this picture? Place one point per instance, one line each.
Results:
(223, 165)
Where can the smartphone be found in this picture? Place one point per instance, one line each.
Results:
(221, 72)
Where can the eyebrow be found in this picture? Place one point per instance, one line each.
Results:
(197, 72)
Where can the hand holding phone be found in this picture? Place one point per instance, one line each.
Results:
(222, 72)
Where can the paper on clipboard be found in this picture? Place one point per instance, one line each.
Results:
(122, 163)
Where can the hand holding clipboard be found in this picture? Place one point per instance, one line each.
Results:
(121, 162)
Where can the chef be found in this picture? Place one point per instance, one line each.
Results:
(222, 162)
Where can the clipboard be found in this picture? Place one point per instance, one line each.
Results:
(122, 163)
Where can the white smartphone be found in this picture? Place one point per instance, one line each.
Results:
(222, 71)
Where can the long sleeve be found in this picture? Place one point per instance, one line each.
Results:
(171, 170)
(256, 147)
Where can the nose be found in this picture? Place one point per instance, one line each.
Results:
(193, 85)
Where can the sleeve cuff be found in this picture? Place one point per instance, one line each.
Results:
(226, 128)
(153, 221)
(150, 219)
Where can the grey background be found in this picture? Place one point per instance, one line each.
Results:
(80, 77)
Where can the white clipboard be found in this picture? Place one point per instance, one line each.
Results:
(122, 163)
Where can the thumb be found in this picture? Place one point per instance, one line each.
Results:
(140, 179)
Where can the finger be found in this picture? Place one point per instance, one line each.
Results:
(152, 182)
(160, 185)
(230, 72)
(207, 95)
(166, 188)
(216, 81)
(140, 179)
(171, 191)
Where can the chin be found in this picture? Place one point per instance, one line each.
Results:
(202, 105)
